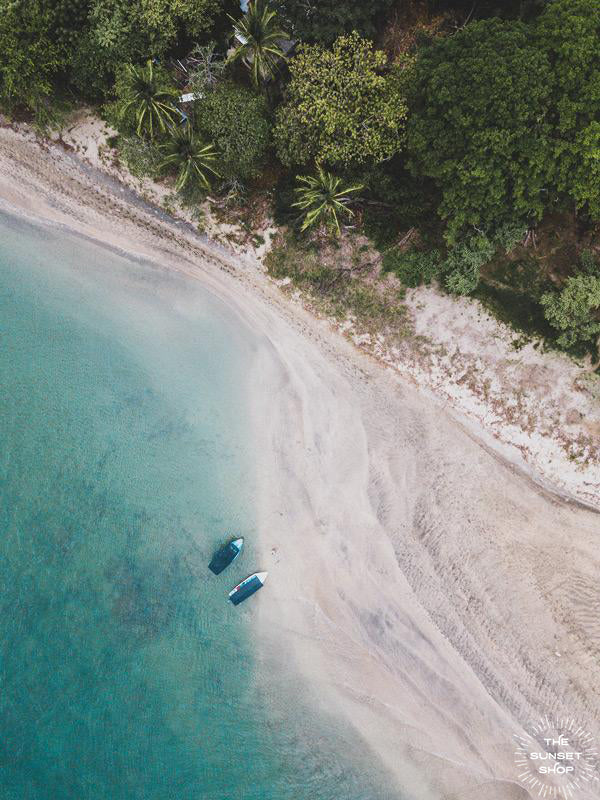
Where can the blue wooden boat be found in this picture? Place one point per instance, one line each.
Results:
(247, 587)
(225, 555)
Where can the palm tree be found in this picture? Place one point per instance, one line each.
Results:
(149, 98)
(257, 40)
(192, 157)
(324, 200)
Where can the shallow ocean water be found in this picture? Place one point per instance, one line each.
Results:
(126, 458)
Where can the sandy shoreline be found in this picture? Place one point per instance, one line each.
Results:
(432, 594)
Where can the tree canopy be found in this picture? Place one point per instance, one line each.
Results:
(34, 38)
(478, 124)
(575, 310)
(257, 38)
(343, 105)
(569, 32)
(324, 21)
(236, 120)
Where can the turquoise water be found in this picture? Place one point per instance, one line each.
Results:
(126, 457)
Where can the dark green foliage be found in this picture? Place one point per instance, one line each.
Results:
(283, 197)
(511, 291)
(236, 120)
(465, 258)
(130, 31)
(395, 201)
(413, 267)
(589, 264)
(325, 20)
(33, 52)
(478, 125)
(569, 31)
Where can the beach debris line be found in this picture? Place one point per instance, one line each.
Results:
(225, 555)
(247, 587)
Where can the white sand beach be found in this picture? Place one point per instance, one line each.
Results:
(435, 596)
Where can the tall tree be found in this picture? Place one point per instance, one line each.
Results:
(344, 106)
(236, 119)
(257, 40)
(478, 125)
(190, 156)
(323, 21)
(324, 200)
(128, 31)
(147, 97)
(569, 31)
(575, 310)
(36, 40)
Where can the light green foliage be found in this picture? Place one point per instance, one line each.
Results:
(256, 39)
(413, 267)
(236, 120)
(569, 31)
(464, 261)
(324, 200)
(145, 99)
(478, 124)
(574, 311)
(343, 106)
(509, 235)
(162, 18)
(191, 157)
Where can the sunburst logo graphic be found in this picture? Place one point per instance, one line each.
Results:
(557, 759)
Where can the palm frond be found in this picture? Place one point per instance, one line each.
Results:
(257, 38)
(324, 200)
(190, 156)
(149, 99)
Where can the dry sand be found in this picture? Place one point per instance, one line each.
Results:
(434, 595)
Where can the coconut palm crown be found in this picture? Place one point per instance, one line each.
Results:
(324, 200)
(257, 38)
(149, 98)
(190, 156)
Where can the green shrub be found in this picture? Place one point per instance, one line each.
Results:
(464, 261)
(413, 267)
(574, 311)
(509, 235)
(589, 264)
(236, 120)
(478, 126)
(343, 106)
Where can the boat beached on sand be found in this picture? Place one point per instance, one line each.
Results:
(225, 555)
(247, 587)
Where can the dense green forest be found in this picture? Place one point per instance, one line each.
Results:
(462, 137)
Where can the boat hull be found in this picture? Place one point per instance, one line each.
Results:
(247, 588)
(225, 556)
